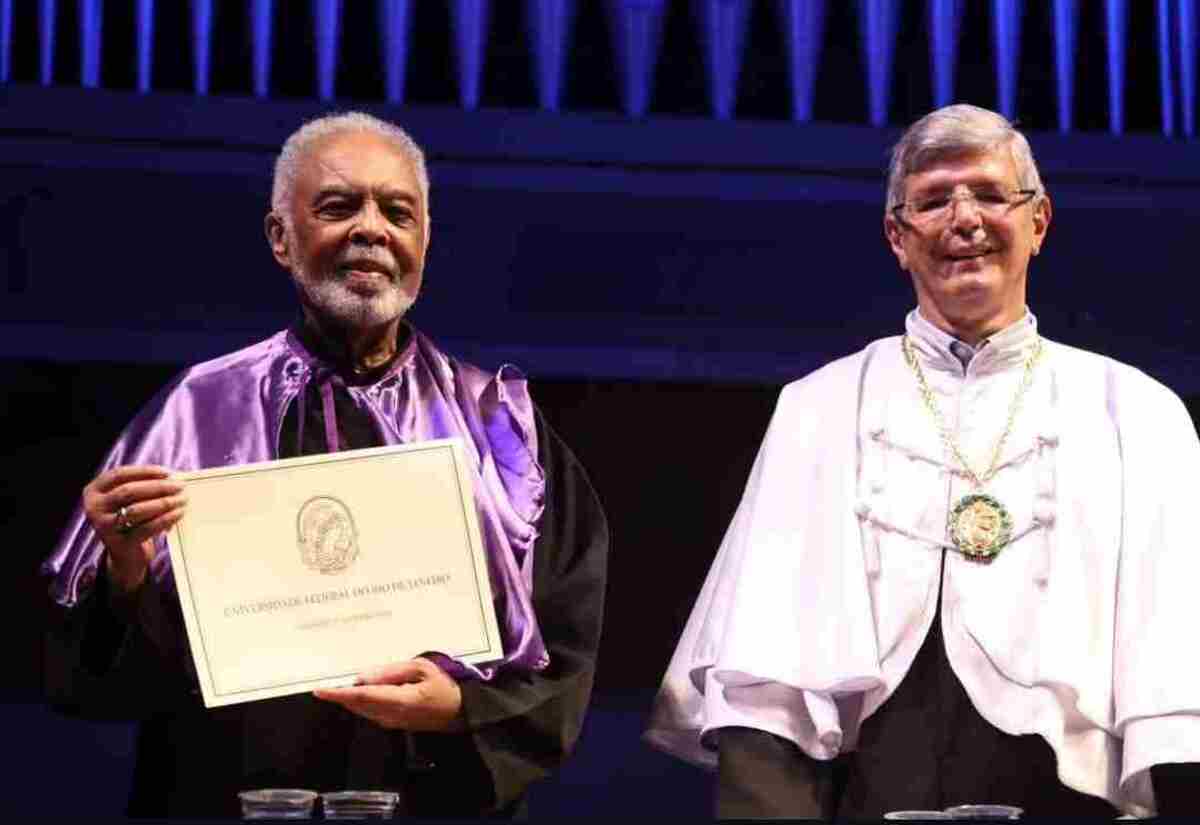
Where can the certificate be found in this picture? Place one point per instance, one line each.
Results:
(301, 573)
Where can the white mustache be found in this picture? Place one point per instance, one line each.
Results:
(368, 261)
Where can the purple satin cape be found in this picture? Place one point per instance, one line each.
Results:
(230, 411)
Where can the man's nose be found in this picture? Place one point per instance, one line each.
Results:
(965, 214)
(370, 226)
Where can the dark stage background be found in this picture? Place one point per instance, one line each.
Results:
(659, 236)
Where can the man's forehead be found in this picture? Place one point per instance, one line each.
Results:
(357, 160)
(996, 164)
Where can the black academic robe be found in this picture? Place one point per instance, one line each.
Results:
(108, 659)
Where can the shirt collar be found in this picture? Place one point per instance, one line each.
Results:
(320, 359)
(942, 350)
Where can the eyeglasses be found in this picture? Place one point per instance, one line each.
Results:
(991, 201)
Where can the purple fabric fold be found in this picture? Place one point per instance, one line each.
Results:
(230, 411)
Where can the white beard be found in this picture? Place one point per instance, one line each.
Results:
(335, 301)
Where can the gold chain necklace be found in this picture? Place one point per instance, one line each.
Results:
(978, 524)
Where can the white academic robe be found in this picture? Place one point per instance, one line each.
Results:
(826, 582)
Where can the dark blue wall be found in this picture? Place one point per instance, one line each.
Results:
(573, 245)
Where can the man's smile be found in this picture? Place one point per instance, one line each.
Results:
(969, 255)
(364, 267)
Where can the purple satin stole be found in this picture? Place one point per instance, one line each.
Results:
(230, 411)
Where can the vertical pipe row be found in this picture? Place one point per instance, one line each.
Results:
(878, 21)
(395, 20)
(549, 24)
(1006, 39)
(327, 19)
(91, 30)
(945, 21)
(803, 24)
(637, 31)
(723, 34)
(260, 46)
(1115, 26)
(202, 28)
(1066, 24)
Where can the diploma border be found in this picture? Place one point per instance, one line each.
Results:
(455, 452)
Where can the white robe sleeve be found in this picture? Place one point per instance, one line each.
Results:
(1156, 669)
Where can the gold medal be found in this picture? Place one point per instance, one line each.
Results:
(980, 526)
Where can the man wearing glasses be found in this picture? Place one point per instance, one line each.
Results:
(965, 554)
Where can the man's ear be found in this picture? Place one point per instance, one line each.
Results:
(277, 239)
(894, 232)
(1042, 213)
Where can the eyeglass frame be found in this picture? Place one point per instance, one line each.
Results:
(1027, 195)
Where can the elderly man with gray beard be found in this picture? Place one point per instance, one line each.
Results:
(963, 568)
(350, 221)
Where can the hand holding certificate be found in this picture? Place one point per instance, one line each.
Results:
(303, 573)
(416, 695)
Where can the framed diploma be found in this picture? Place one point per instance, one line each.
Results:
(302, 573)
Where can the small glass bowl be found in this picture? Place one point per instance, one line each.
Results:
(917, 815)
(359, 804)
(277, 803)
(985, 812)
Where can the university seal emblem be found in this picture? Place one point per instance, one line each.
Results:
(980, 527)
(326, 535)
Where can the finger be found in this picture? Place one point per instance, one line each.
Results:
(395, 673)
(155, 526)
(372, 698)
(344, 697)
(132, 472)
(146, 511)
(385, 705)
(135, 491)
(125, 520)
(354, 694)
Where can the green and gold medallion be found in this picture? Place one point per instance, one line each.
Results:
(980, 526)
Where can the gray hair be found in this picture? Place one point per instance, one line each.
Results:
(299, 143)
(955, 130)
